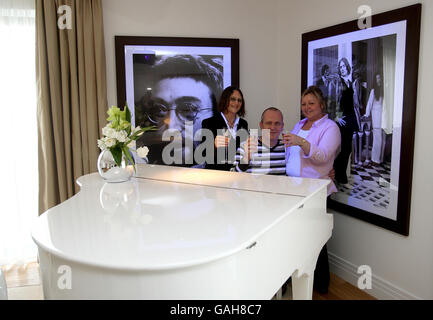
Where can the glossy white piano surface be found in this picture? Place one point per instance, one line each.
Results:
(178, 233)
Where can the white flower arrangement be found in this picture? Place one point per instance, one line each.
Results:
(119, 136)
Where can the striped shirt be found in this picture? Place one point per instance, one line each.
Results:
(265, 161)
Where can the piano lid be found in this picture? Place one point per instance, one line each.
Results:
(284, 185)
(168, 217)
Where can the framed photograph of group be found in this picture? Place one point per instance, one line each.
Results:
(369, 80)
(173, 84)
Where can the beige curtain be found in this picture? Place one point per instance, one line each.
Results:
(72, 97)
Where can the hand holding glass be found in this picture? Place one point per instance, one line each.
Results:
(221, 141)
(285, 138)
(250, 147)
(290, 140)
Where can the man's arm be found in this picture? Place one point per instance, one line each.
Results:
(241, 163)
(244, 154)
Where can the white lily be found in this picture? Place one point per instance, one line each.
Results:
(136, 129)
(109, 132)
(109, 142)
(116, 138)
(101, 144)
(121, 136)
(142, 152)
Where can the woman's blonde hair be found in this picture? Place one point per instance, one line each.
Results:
(315, 91)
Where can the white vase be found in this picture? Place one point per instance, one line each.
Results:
(110, 171)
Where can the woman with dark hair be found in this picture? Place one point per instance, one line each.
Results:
(375, 108)
(347, 118)
(228, 128)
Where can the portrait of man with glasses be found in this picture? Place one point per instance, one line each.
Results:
(180, 91)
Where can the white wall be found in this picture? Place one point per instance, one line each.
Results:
(403, 264)
(251, 21)
(270, 71)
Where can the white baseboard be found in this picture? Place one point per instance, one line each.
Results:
(381, 289)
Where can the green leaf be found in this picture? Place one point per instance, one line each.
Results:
(137, 134)
(117, 154)
(127, 114)
(128, 156)
(151, 128)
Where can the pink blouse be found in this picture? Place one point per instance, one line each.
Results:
(325, 140)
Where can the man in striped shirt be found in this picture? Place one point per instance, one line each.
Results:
(267, 154)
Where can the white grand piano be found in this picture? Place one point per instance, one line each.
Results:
(180, 233)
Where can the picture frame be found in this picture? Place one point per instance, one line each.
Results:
(173, 83)
(377, 67)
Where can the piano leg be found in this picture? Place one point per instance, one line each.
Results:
(302, 287)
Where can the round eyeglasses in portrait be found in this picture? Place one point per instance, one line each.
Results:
(185, 111)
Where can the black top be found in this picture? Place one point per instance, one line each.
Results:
(214, 124)
(347, 106)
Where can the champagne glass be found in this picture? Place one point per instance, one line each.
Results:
(283, 134)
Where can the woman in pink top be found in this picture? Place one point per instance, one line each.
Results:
(314, 141)
(312, 147)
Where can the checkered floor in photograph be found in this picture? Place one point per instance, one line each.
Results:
(373, 172)
(369, 183)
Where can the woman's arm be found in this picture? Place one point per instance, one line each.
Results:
(291, 139)
(369, 104)
(208, 124)
(212, 125)
(327, 147)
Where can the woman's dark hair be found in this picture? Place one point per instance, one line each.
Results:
(346, 63)
(225, 100)
(324, 68)
(378, 90)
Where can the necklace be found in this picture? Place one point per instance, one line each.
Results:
(230, 122)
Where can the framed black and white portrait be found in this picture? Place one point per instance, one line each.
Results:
(368, 78)
(173, 84)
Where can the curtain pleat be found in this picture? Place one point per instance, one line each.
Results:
(72, 102)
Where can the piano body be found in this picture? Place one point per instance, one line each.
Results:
(181, 233)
